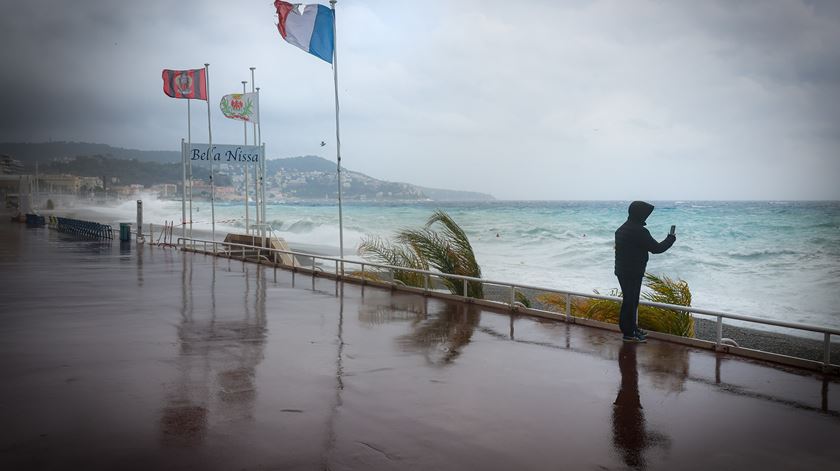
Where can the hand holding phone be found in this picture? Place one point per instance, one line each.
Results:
(673, 230)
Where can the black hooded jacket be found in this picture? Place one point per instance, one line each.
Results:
(633, 242)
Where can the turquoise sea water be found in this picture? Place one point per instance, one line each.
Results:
(778, 260)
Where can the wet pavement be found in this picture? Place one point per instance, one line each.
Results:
(114, 357)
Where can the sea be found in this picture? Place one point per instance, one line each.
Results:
(770, 259)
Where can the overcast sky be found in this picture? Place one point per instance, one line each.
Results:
(524, 100)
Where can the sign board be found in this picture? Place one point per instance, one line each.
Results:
(225, 153)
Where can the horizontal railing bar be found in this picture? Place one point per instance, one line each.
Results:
(675, 307)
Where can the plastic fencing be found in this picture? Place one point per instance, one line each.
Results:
(87, 229)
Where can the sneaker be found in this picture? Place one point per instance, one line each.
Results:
(641, 333)
(633, 338)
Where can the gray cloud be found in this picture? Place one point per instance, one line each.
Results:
(565, 100)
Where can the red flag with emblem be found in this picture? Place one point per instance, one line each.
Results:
(185, 83)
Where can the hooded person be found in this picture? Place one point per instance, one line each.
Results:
(633, 242)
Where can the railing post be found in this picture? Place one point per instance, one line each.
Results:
(827, 349)
(465, 288)
(426, 282)
(336, 269)
(719, 330)
(568, 307)
(512, 295)
(363, 274)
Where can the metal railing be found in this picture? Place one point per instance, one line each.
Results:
(827, 332)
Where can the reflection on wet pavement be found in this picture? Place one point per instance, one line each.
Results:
(223, 352)
(120, 357)
(630, 434)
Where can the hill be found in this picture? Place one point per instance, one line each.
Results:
(28, 153)
(305, 177)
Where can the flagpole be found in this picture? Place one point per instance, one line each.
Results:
(337, 138)
(256, 169)
(259, 142)
(183, 191)
(245, 131)
(210, 156)
(189, 159)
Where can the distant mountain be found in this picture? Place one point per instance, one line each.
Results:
(307, 163)
(28, 153)
(437, 194)
(312, 177)
(306, 177)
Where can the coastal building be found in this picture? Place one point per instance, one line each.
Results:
(59, 184)
(90, 183)
(128, 190)
(10, 166)
(165, 190)
(10, 187)
(227, 193)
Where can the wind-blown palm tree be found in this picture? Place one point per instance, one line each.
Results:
(441, 244)
(661, 290)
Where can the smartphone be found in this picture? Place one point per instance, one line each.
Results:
(673, 230)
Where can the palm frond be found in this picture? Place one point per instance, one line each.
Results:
(667, 291)
(440, 244)
(660, 289)
(383, 251)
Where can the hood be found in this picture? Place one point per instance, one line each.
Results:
(639, 211)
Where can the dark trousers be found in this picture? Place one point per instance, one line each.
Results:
(631, 288)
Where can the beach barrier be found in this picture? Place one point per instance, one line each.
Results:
(720, 344)
(87, 229)
(35, 220)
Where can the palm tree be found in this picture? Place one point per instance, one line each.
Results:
(441, 244)
(661, 290)
(398, 255)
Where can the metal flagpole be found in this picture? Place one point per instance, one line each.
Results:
(189, 158)
(262, 186)
(337, 138)
(36, 202)
(256, 169)
(245, 131)
(183, 191)
(259, 142)
(210, 156)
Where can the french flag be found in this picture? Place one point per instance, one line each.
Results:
(309, 27)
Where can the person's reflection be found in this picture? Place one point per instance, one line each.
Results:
(630, 435)
(628, 418)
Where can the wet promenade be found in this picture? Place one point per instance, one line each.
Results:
(148, 358)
